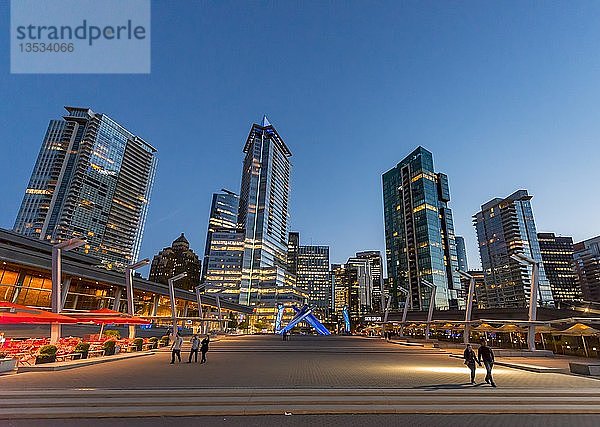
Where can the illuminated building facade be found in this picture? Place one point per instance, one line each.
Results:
(506, 227)
(293, 244)
(313, 278)
(557, 255)
(222, 269)
(587, 266)
(419, 233)
(461, 253)
(263, 215)
(376, 272)
(176, 259)
(92, 180)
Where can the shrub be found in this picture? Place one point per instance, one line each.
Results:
(46, 354)
(83, 348)
(138, 342)
(112, 333)
(3, 355)
(109, 347)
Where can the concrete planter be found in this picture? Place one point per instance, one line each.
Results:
(7, 365)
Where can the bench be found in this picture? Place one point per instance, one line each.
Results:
(585, 368)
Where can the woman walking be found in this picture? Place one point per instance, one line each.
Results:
(470, 360)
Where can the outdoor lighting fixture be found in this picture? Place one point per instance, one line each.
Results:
(172, 280)
(57, 296)
(129, 290)
(469, 308)
(533, 294)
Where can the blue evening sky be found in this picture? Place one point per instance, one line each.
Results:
(505, 94)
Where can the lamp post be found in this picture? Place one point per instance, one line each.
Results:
(468, 310)
(129, 290)
(57, 298)
(407, 302)
(172, 297)
(198, 290)
(533, 294)
(431, 305)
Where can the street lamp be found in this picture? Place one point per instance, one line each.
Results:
(533, 294)
(198, 290)
(129, 290)
(57, 299)
(407, 302)
(469, 308)
(172, 297)
(431, 305)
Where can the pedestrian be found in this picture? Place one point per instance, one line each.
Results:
(195, 342)
(470, 360)
(176, 348)
(2, 339)
(204, 348)
(485, 354)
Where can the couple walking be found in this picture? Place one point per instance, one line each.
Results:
(196, 345)
(485, 355)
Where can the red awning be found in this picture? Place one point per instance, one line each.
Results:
(11, 313)
(106, 316)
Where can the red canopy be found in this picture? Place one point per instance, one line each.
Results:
(106, 316)
(11, 313)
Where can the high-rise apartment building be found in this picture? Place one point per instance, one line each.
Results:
(92, 180)
(461, 253)
(506, 227)
(419, 232)
(313, 277)
(263, 214)
(557, 256)
(176, 259)
(587, 266)
(376, 272)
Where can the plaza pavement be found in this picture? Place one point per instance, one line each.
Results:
(264, 376)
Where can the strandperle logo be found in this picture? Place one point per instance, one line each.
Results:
(82, 32)
(80, 36)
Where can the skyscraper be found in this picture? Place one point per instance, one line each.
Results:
(92, 180)
(419, 232)
(557, 255)
(506, 227)
(313, 277)
(222, 268)
(376, 272)
(587, 266)
(461, 253)
(176, 259)
(293, 244)
(263, 214)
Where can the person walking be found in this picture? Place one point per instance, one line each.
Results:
(470, 360)
(204, 348)
(485, 354)
(195, 342)
(176, 348)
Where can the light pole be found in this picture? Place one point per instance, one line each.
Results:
(198, 290)
(431, 306)
(173, 306)
(533, 294)
(468, 310)
(57, 299)
(129, 290)
(407, 302)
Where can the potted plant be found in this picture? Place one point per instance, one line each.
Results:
(109, 347)
(138, 342)
(83, 348)
(154, 342)
(46, 354)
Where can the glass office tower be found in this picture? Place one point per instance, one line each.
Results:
(92, 180)
(559, 265)
(461, 254)
(376, 264)
(222, 269)
(587, 266)
(419, 233)
(505, 227)
(263, 214)
(313, 277)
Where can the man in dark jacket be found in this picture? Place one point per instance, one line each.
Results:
(486, 355)
(204, 348)
(470, 360)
